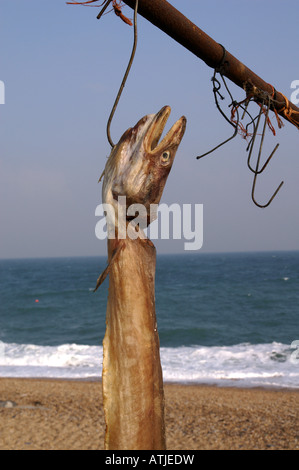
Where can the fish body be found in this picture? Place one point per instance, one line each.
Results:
(133, 396)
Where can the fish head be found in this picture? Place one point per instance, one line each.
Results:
(139, 164)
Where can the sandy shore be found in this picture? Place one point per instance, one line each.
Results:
(53, 414)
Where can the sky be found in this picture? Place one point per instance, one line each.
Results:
(62, 68)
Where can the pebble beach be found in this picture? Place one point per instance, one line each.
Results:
(44, 414)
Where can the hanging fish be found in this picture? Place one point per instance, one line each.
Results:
(133, 396)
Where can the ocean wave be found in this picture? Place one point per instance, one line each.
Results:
(242, 365)
(63, 361)
(238, 365)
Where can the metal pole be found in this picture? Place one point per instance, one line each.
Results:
(167, 18)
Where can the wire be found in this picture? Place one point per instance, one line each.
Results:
(125, 77)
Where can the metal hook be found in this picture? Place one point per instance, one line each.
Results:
(258, 171)
(251, 143)
(270, 200)
(126, 73)
(235, 126)
(255, 122)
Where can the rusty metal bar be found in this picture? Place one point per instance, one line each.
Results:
(172, 22)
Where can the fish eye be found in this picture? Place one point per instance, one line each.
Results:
(165, 156)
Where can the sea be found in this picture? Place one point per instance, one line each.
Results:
(225, 319)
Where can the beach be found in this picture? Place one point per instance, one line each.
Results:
(46, 414)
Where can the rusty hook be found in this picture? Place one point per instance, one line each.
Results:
(216, 91)
(251, 144)
(258, 171)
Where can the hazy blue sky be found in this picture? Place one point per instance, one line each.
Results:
(62, 68)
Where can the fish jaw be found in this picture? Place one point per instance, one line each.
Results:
(139, 164)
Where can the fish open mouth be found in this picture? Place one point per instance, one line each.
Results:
(141, 171)
(156, 128)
